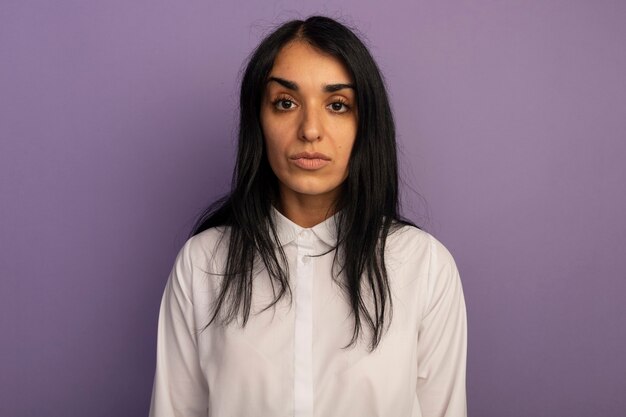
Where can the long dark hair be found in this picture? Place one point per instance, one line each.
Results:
(368, 203)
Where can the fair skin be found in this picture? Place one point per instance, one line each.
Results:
(309, 121)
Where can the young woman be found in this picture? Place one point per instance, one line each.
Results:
(303, 293)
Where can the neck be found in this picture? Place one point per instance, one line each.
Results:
(306, 210)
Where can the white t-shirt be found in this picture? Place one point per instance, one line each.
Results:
(288, 361)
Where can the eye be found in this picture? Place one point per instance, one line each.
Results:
(339, 106)
(283, 104)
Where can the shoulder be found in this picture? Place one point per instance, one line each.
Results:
(420, 255)
(207, 240)
(204, 249)
(410, 242)
(200, 257)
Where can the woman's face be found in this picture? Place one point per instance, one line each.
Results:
(309, 120)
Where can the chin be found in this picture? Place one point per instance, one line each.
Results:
(310, 189)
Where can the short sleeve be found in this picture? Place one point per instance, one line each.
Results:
(442, 340)
(180, 389)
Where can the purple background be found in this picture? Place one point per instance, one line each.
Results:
(117, 122)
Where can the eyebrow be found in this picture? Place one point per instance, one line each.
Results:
(329, 88)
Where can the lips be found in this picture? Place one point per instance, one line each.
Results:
(310, 160)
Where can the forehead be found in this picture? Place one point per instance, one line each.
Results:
(301, 62)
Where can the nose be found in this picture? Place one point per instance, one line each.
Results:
(310, 125)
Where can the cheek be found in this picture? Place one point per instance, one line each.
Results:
(344, 149)
(273, 129)
(270, 139)
(272, 153)
(345, 136)
(275, 150)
